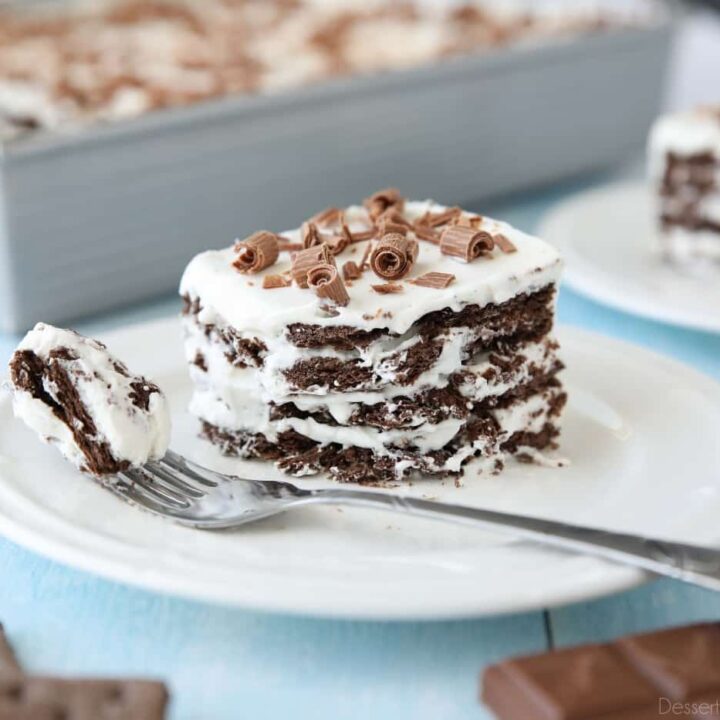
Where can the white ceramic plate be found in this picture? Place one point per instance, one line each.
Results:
(641, 434)
(607, 237)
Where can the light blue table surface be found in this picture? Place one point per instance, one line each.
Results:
(226, 664)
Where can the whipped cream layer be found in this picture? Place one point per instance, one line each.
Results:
(75, 395)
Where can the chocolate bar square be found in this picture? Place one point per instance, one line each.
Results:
(681, 661)
(669, 673)
(567, 684)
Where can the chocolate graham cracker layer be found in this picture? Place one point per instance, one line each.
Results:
(429, 352)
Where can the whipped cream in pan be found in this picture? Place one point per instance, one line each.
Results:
(75, 395)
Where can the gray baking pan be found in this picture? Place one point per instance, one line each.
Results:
(112, 215)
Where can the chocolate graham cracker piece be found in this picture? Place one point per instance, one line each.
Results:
(25, 697)
(9, 666)
(641, 677)
(60, 699)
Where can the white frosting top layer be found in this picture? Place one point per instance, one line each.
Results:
(133, 434)
(686, 133)
(230, 298)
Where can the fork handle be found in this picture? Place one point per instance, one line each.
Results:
(690, 563)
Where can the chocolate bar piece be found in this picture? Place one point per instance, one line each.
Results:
(9, 666)
(40, 698)
(662, 674)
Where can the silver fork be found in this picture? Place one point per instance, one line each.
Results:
(190, 494)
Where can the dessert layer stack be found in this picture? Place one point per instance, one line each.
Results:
(377, 342)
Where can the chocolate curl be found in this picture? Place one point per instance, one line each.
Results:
(327, 284)
(310, 234)
(393, 221)
(364, 261)
(473, 221)
(393, 256)
(437, 280)
(360, 235)
(328, 216)
(465, 243)
(272, 282)
(388, 288)
(304, 260)
(425, 232)
(504, 243)
(351, 270)
(256, 252)
(380, 201)
(440, 218)
(336, 243)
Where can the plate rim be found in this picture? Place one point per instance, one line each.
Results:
(592, 582)
(589, 286)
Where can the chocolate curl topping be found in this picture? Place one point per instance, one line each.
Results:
(437, 280)
(304, 260)
(310, 235)
(393, 256)
(380, 201)
(440, 218)
(425, 232)
(504, 243)
(327, 284)
(351, 270)
(361, 235)
(329, 216)
(256, 252)
(465, 243)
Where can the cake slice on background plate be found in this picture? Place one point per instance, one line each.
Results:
(684, 166)
(377, 342)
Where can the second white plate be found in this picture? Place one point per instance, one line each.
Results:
(607, 237)
(640, 432)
